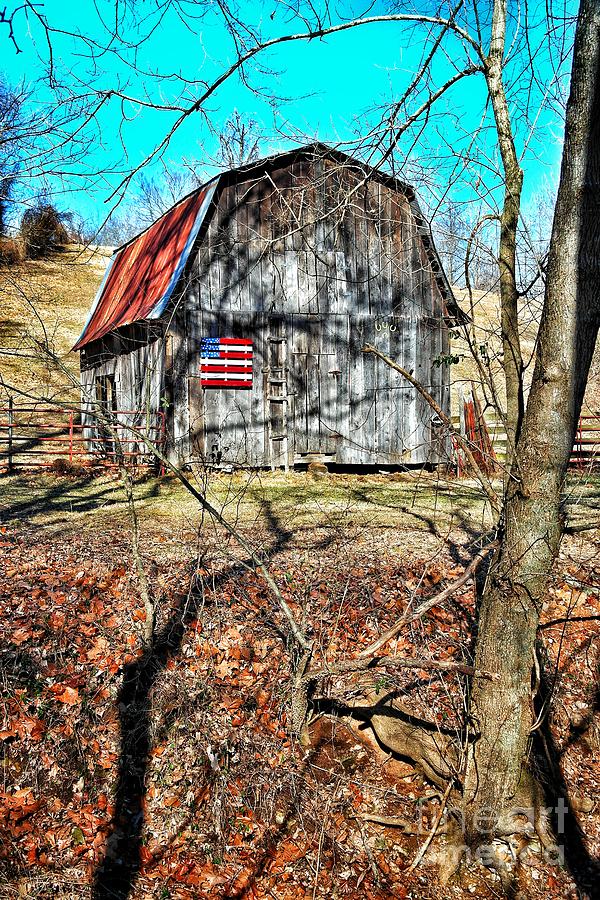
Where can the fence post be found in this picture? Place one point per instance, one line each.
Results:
(163, 438)
(461, 410)
(71, 436)
(10, 435)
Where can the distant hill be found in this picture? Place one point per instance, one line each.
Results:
(46, 300)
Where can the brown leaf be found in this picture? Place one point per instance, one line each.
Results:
(66, 694)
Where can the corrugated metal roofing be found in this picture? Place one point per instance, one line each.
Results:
(143, 273)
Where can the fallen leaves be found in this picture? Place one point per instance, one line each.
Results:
(65, 694)
(225, 802)
(20, 636)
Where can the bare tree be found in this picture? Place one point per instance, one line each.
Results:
(11, 115)
(532, 522)
(155, 194)
(239, 141)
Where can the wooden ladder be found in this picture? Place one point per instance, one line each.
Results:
(277, 397)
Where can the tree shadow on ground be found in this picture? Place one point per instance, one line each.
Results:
(571, 844)
(455, 549)
(116, 874)
(77, 495)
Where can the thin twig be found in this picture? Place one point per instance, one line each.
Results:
(428, 604)
(400, 662)
(395, 822)
(433, 831)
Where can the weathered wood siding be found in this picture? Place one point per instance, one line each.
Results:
(312, 262)
(135, 357)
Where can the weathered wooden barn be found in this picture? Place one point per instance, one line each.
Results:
(244, 309)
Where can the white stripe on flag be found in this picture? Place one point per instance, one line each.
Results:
(243, 363)
(225, 373)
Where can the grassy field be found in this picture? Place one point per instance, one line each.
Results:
(420, 502)
(415, 506)
(46, 302)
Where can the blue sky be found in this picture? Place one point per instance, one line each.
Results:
(329, 82)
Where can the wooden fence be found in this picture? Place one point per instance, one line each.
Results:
(40, 436)
(586, 449)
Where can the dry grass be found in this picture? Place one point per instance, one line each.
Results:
(46, 300)
(412, 504)
(485, 312)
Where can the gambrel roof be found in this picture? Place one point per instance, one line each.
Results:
(144, 272)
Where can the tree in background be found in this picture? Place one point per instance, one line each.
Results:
(11, 125)
(239, 141)
(43, 230)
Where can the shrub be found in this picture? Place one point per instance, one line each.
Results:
(68, 469)
(11, 252)
(42, 230)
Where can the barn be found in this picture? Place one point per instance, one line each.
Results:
(243, 311)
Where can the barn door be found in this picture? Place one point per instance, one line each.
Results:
(316, 378)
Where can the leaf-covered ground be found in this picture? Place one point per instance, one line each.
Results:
(172, 773)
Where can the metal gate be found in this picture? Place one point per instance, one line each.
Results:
(38, 436)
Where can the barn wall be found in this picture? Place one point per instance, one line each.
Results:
(135, 358)
(311, 289)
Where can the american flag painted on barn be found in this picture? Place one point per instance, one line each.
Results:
(226, 362)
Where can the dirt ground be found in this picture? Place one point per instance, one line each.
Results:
(170, 772)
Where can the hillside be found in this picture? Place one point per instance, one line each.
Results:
(46, 300)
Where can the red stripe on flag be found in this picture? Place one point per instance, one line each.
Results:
(214, 382)
(246, 370)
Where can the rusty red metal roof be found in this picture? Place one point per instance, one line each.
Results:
(143, 273)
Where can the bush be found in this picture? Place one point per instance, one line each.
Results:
(42, 230)
(68, 469)
(11, 252)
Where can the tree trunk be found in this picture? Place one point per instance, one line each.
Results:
(509, 220)
(501, 710)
